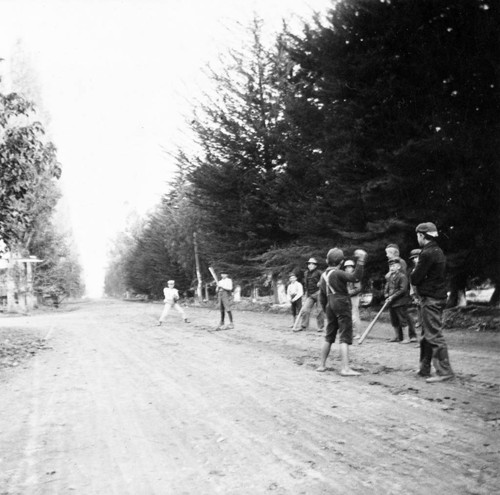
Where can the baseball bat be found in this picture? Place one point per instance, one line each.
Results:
(370, 326)
(212, 271)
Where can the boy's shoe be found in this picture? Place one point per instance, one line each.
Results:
(230, 326)
(186, 320)
(439, 378)
(405, 342)
(413, 339)
(423, 374)
(394, 340)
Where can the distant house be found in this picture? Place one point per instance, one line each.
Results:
(16, 283)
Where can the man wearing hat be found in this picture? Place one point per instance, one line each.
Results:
(429, 279)
(311, 280)
(397, 294)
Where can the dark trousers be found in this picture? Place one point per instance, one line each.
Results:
(412, 332)
(306, 313)
(296, 306)
(433, 347)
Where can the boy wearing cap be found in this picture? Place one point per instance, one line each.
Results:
(398, 296)
(294, 292)
(171, 298)
(430, 282)
(336, 302)
(354, 289)
(392, 251)
(225, 292)
(311, 280)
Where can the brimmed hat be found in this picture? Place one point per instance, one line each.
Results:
(349, 263)
(312, 260)
(414, 253)
(427, 228)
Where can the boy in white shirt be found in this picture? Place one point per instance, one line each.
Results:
(294, 292)
(171, 301)
(225, 290)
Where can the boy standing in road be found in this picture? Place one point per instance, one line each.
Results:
(336, 302)
(311, 280)
(171, 298)
(429, 279)
(225, 292)
(354, 289)
(294, 292)
(398, 295)
(392, 251)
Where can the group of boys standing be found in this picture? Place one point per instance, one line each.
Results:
(336, 293)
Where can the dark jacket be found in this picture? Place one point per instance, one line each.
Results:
(311, 280)
(354, 288)
(398, 289)
(429, 276)
(338, 280)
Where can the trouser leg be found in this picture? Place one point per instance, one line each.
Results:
(164, 313)
(306, 313)
(425, 358)
(320, 318)
(411, 325)
(432, 312)
(222, 314)
(356, 320)
(180, 310)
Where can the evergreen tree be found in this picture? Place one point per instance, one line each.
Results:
(240, 132)
(397, 116)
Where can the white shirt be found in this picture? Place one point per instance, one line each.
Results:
(170, 295)
(295, 291)
(226, 284)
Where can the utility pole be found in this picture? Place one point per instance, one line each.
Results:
(199, 288)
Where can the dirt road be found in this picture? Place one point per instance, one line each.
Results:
(116, 405)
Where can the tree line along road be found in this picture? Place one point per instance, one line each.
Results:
(116, 405)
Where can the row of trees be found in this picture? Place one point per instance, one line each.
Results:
(29, 171)
(381, 116)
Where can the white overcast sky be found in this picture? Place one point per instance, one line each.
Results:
(117, 77)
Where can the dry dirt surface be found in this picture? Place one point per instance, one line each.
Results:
(102, 401)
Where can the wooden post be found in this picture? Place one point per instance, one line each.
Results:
(199, 293)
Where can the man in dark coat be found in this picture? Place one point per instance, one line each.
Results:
(429, 279)
(311, 280)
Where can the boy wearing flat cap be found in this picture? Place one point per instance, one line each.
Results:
(429, 279)
(397, 293)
